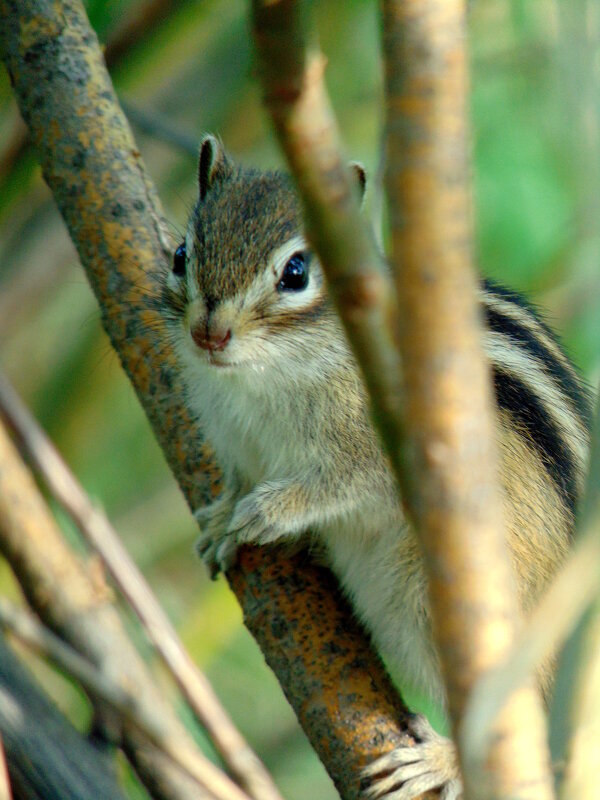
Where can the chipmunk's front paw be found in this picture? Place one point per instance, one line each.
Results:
(407, 772)
(257, 518)
(218, 553)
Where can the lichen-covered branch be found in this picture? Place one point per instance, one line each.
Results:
(91, 164)
(343, 699)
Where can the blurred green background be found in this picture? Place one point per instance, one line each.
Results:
(188, 69)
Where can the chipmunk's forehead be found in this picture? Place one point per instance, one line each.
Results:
(239, 224)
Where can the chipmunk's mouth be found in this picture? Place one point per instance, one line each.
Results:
(246, 366)
(221, 364)
(226, 361)
(216, 360)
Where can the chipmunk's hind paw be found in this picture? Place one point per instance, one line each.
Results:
(407, 772)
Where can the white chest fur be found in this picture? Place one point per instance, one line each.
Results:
(254, 424)
(258, 433)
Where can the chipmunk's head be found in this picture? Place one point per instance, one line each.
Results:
(245, 290)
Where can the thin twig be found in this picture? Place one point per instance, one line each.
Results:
(23, 625)
(137, 26)
(100, 534)
(564, 602)
(357, 278)
(579, 778)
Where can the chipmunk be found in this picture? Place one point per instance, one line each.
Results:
(278, 392)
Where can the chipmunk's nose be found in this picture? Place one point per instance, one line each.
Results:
(209, 338)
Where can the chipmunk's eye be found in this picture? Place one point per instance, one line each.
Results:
(179, 261)
(294, 277)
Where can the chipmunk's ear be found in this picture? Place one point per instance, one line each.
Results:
(214, 164)
(360, 176)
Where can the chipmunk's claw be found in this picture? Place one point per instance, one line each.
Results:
(215, 546)
(219, 554)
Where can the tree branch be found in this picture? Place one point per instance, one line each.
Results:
(292, 76)
(130, 31)
(146, 719)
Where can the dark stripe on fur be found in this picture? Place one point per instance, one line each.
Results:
(518, 300)
(556, 371)
(530, 415)
(565, 379)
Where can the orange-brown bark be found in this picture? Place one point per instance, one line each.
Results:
(332, 680)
